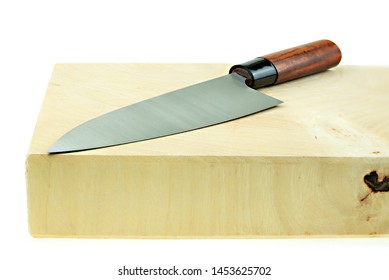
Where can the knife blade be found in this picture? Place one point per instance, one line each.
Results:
(204, 104)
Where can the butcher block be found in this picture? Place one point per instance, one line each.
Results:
(316, 165)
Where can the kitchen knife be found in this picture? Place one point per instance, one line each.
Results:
(204, 104)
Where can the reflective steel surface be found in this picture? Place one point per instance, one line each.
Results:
(197, 106)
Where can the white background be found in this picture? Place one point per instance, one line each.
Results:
(34, 35)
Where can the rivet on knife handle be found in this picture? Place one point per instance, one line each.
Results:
(289, 64)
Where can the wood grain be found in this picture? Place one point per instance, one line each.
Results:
(296, 170)
(305, 60)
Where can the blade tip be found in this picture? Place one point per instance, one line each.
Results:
(54, 150)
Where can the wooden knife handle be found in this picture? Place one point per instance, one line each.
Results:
(289, 64)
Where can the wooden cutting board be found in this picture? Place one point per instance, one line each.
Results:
(310, 167)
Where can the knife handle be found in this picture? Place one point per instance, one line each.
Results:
(289, 64)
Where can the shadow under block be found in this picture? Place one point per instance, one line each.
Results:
(301, 169)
